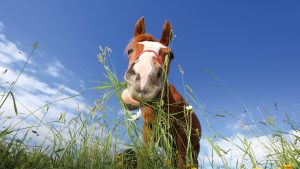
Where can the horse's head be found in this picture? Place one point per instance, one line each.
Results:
(148, 60)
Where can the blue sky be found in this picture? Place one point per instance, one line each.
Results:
(253, 46)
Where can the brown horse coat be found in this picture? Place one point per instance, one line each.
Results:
(144, 83)
(176, 106)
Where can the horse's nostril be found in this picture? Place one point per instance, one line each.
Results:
(137, 77)
(131, 70)
(130, 74)
(158, 75)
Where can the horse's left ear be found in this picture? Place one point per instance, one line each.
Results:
(166, 35)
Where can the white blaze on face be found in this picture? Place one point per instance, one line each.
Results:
(144, 64)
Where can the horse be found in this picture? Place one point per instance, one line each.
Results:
(148, 60)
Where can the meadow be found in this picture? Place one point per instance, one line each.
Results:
(92, 139)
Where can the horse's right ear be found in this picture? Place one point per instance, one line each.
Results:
(139, 27)
(166, 35)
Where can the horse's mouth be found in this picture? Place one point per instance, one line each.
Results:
(137, 100)
(129, 101)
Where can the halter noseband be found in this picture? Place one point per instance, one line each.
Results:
(159, 58)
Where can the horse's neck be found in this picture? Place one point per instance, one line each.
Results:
(173, 101)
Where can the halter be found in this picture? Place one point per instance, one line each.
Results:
(159, 58)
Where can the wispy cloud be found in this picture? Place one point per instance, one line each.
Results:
(233, 147)
(239, 126)
(9, 52)
(35, 98)
(55, 69)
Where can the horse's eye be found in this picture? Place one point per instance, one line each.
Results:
(130, 51)
(171, 55)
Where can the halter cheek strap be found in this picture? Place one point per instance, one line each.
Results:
(159, 58)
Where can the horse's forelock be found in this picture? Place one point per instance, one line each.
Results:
(139, 38)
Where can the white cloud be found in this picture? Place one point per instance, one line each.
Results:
(259, 146)
(239, 126)
(67, 89)
(32, 93)
(9, 52)
(55, 69)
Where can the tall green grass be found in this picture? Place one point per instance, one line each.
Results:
(96, 138)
